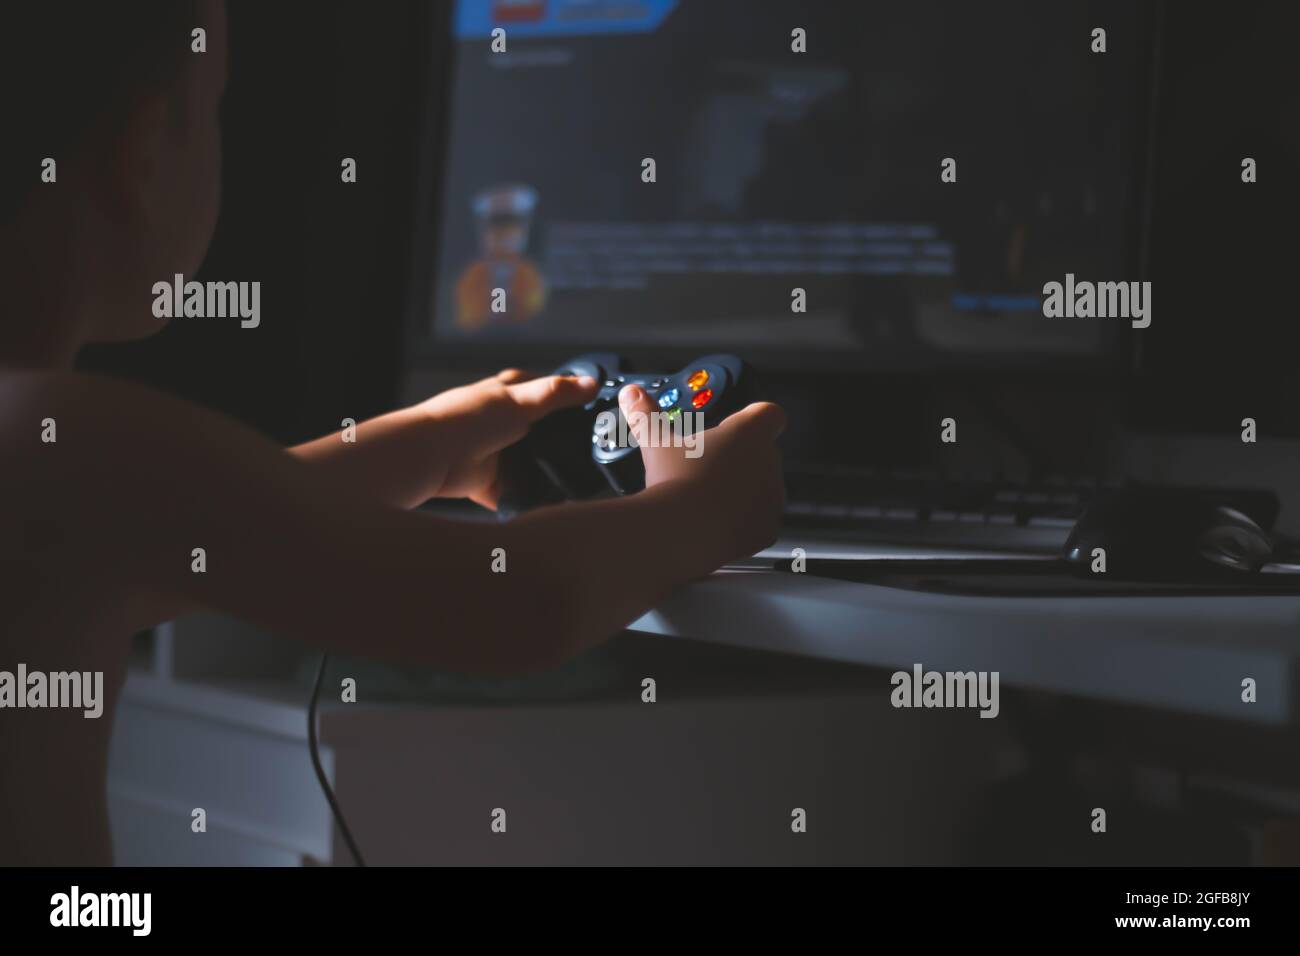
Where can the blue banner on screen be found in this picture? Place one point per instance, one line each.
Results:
(536, 18)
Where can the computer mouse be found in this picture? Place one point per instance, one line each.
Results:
(1166, 534)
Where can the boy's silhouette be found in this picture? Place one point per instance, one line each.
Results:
(98, 527)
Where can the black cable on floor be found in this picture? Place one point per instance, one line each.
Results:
(320, 771)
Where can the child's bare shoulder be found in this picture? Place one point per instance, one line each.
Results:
(27, 393)
(66, 436)
(51, 422)
(81, 413)
(70, 439)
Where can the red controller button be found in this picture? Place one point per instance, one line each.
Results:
(698, 379)
(700, 399)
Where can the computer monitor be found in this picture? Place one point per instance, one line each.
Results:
(796, 209)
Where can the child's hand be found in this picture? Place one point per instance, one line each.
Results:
(475, 422)
(735, 479)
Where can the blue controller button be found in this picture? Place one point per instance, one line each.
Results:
(668, 398)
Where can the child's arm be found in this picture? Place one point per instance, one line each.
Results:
(137, 481)
(446, 446)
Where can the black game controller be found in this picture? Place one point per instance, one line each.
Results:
(579, 453)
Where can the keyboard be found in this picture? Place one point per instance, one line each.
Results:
(924, 507)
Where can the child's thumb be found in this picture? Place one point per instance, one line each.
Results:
(637, 409)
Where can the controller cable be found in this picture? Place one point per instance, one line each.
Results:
(313, 747)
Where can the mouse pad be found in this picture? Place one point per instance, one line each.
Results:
(1033, 578)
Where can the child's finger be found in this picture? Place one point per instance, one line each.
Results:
(764, 416)
(487, 497)
(513, 376)
(541, 396)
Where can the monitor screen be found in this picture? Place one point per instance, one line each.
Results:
(872, 185)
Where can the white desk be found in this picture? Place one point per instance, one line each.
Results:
(1187, 654)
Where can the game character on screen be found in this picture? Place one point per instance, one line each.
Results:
(502, 285)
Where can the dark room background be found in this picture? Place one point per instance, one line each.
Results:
(309, 84)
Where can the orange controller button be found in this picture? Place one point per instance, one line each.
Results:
(699, 378)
